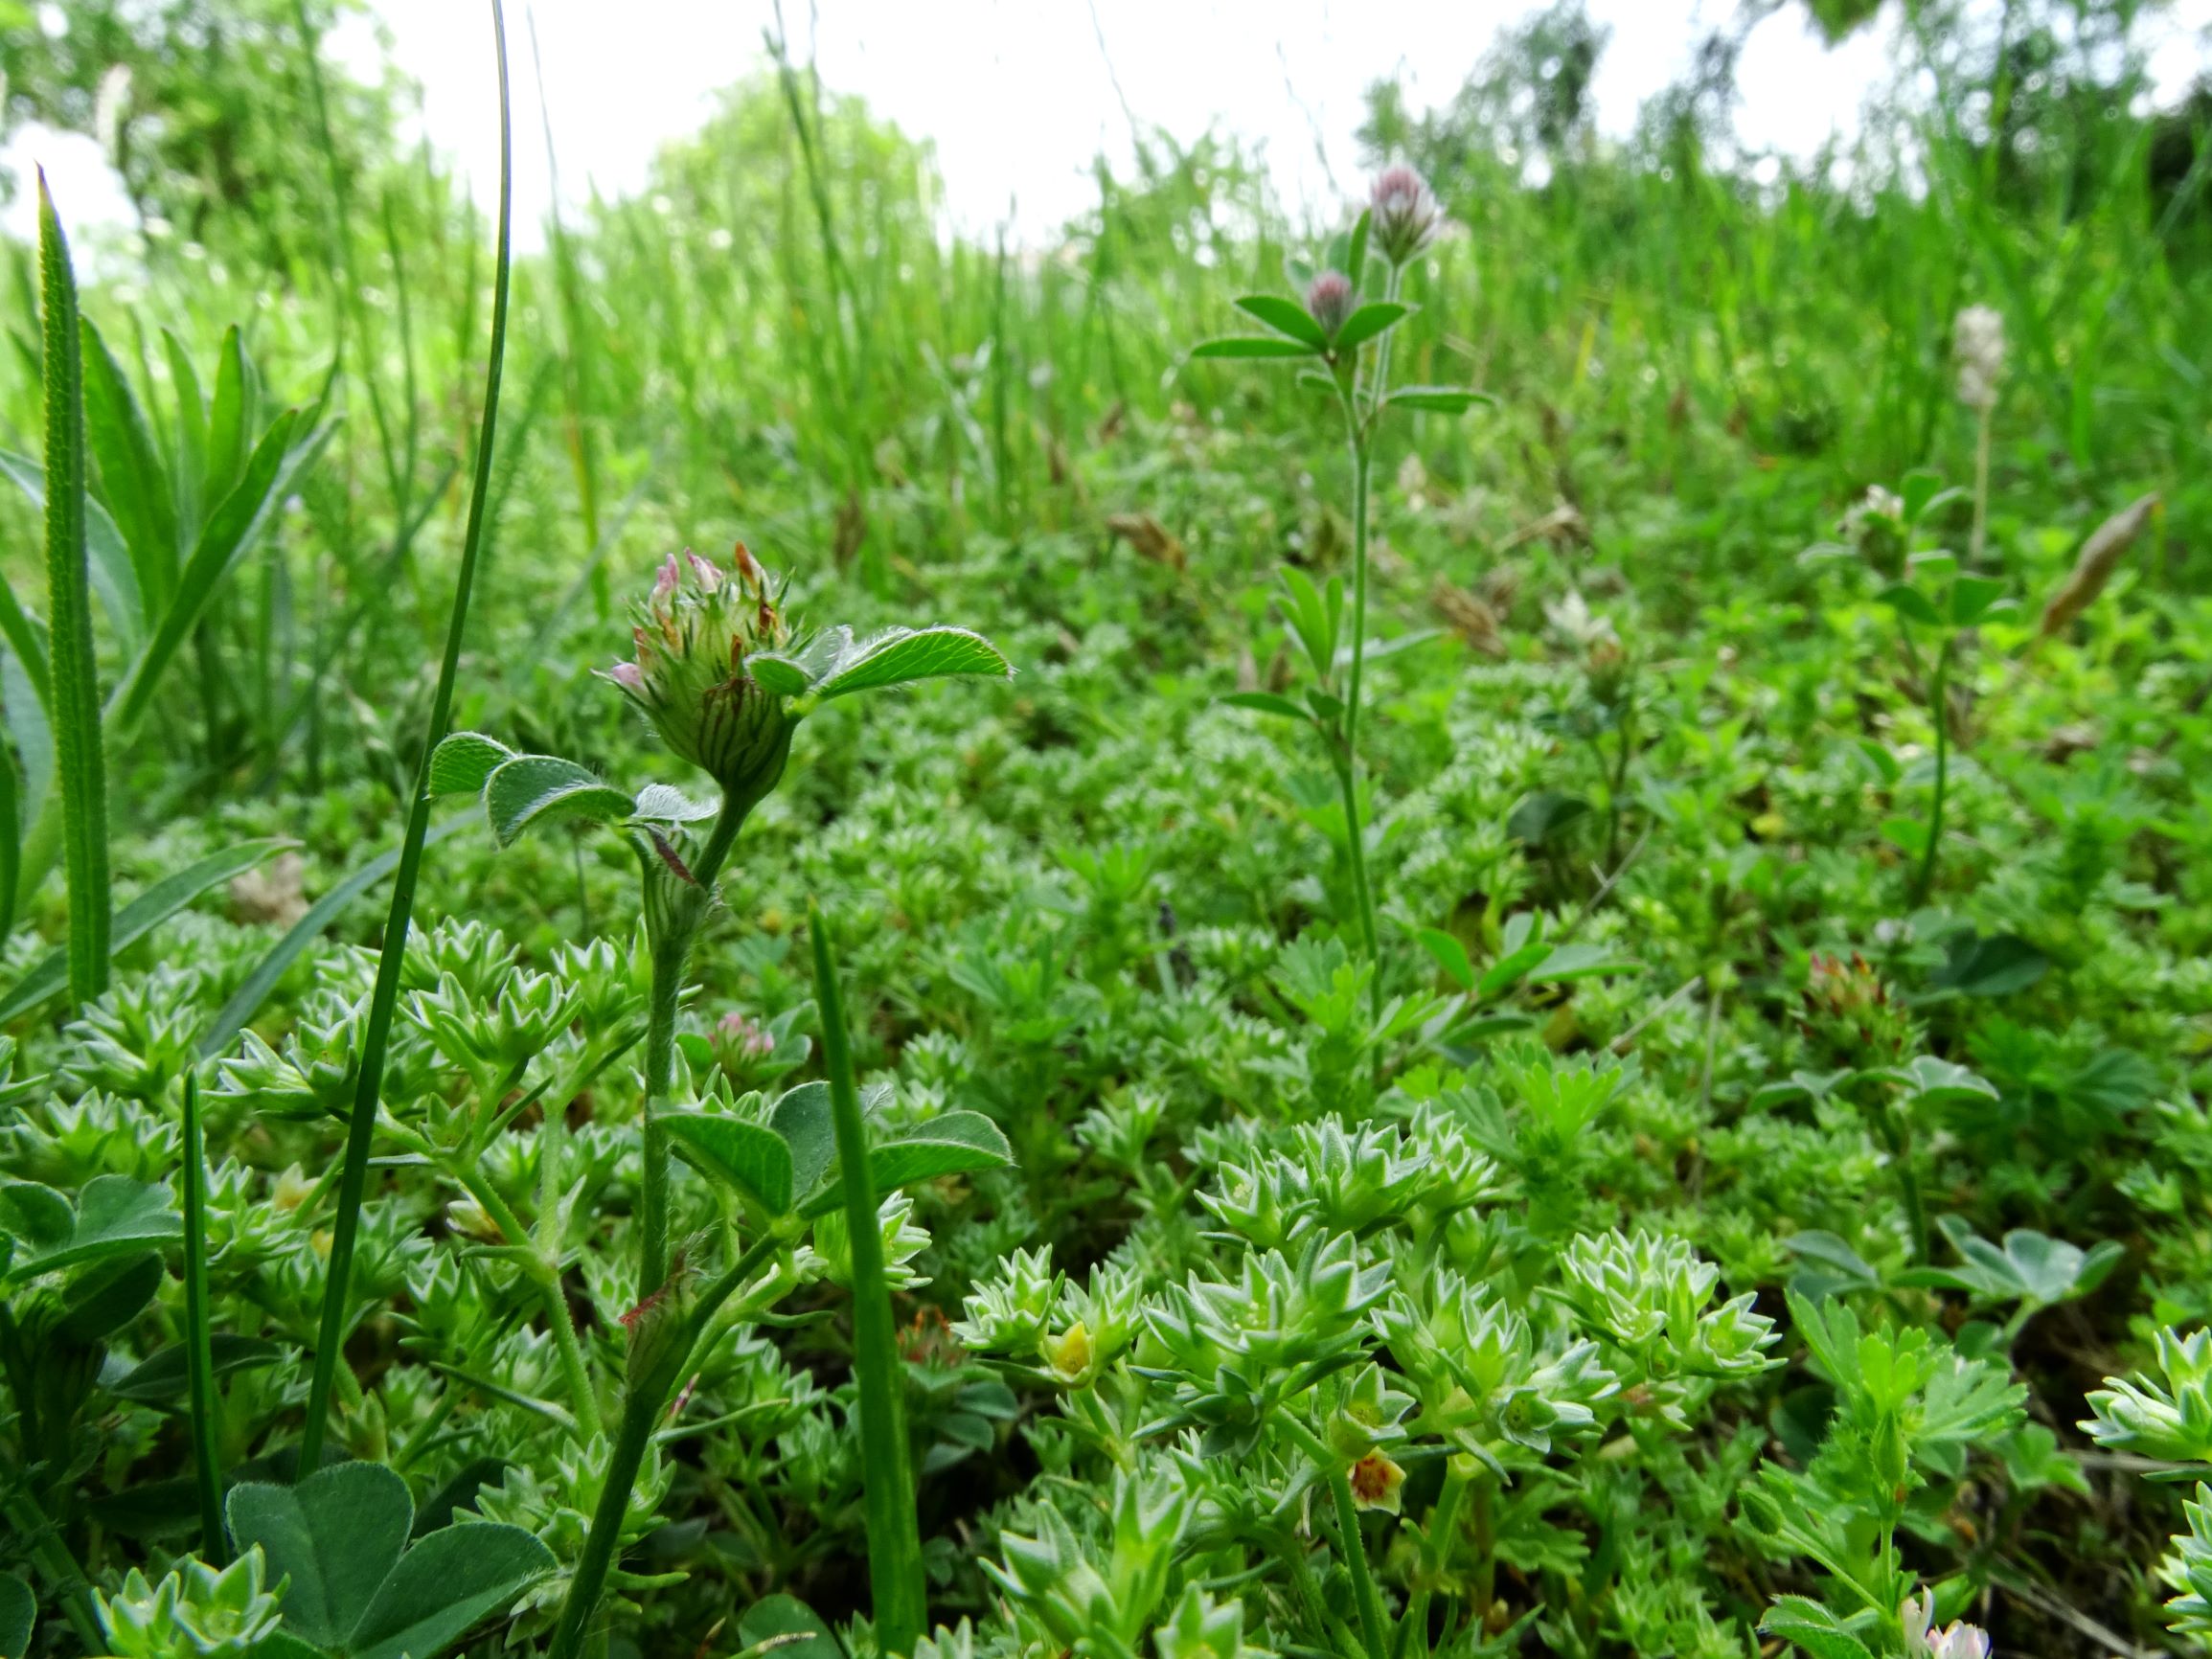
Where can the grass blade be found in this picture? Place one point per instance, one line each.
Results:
(377, 1036)
(199, 1337)
(230, 533)
(895, 1572)
(76, 687)
(111, 573)
(131, 473)
(140, 916)
(246, 1001)
(11, 840)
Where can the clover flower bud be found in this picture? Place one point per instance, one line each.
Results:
(1978, 345)
(741, 1037)
(1401, 214)
(1328, 301)
(1849, 1013)
(692, 635)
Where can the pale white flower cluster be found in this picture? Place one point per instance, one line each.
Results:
(1957, 1639)
(1978, 347)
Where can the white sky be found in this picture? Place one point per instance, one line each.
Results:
(1016, 95)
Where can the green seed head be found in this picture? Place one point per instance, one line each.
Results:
(693, 634)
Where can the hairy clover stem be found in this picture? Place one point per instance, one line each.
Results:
(670, 961)
(642, 1408)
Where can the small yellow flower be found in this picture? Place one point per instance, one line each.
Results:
(1376, 1482)
(291, 1190)
(1069, 1353)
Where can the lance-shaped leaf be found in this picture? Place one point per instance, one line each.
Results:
(164, 1377)
(955, 1144)
(1909, 602)
(1266, 703)
(753, 1161)
(1285, 317)
(1368, 322)
(903, 656)
(1450, 956)
(541, 788)
(75, 688)
(1441, 399)
(1252, 346)
(229, 533)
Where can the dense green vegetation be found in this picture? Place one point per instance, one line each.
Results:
(1539, 984)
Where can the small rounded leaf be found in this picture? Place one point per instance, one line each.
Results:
(753, 1161)
(538, 788)
(461, 764)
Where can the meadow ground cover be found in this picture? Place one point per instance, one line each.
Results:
(1476, 929)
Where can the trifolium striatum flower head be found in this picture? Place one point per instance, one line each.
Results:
(694, 633)
(1328, 301)
(1401, 214)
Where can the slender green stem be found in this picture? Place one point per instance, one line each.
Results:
(641, 1410)
(75, 676)
(1616, 783)
(1485, 1555)
(1360, 420)
(199, 1337)
(545, 1275)
(1981, 456)
(361, 1133)
(1435, 1553)
(894, 1570)
(1373, 1628)
(1938, 709)
(1348, 764)
(539, 1268)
